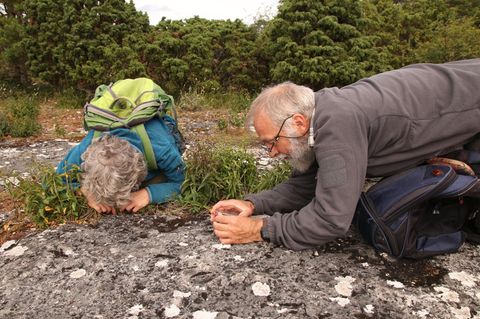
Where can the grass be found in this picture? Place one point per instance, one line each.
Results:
(70, 99)
(234, 101)
(18, 116)
(47, 198)
(214, 173)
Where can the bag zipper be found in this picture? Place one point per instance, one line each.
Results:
(110, 115)
(386, 233)
(381, 222)
(394, 213)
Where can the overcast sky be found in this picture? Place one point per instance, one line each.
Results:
(245, 10)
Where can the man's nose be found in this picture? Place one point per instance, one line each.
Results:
(273, 152)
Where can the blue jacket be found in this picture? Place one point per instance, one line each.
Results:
(167, 155)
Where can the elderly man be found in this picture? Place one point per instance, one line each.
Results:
(336, 137)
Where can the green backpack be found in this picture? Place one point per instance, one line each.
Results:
(128, 103)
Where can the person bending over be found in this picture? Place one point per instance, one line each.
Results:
(336, 137)
(114, 175)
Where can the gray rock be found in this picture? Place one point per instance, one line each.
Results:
(20, 159)
(134, 267)
(147, 266)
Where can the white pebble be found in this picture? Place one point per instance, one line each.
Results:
(7, 245)
(135, 310)
(423, 313)
(447, 295)
(42, 266)
(344, 286)
(202, 314)
(15, 251)
(395, 284)
(179, 294)
(462, 313)
(341, 301)
(260, 289)
(78, 273)
(161, 263)
(171, 311)
(9, 180)
(221, 246)
(368, 309)
(263, 162)
(465, 278)
(183, 244)
(239, 258)
(69, 252)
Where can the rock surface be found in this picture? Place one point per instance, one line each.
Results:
(151, 266)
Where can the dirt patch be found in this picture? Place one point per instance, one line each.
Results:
(55, 122)
(63, 123)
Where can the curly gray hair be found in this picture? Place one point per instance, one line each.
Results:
(112, 168)
(280, 101)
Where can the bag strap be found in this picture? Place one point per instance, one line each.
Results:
(457, 165)
(147, 146)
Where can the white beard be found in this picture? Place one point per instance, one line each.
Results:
(301, 156)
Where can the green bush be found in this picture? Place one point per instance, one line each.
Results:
(4, 127)
(18, 116)
(48, 198)
(8, 89)
(191, 101)
(24, 127)
(221, 124)
(71, 99)
(214, 173)
(237, 119)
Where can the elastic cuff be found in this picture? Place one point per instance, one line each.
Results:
(149, 195)
(257, 205)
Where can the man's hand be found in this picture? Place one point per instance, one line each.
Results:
(235, 206)
(237, 229)
(101, 208)
(138, 200)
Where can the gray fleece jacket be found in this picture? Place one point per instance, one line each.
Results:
(375, 127)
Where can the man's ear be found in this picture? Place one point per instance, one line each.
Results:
(300, 122)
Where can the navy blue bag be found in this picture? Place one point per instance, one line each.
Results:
(420, 212)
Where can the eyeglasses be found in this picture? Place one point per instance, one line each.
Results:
(274, 141)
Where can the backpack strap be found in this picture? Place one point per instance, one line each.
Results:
(147, 145)
(457, 165)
